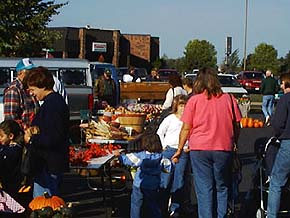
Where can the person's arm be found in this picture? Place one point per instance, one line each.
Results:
(280, 117)
(161, 131)
(183, 136)
(132, 159)
(168, 100)
(12, 104)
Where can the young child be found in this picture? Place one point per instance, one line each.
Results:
(11, 140)
(147, 179)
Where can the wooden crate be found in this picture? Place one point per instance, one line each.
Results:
(144, 90)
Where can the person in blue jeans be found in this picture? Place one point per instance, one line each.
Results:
(147, 181)
(208, 119)
(168, 132)
(268, 89)
(50, 146)
(281, 168)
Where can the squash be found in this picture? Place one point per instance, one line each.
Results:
(256, 124)
(250, 123)
(46, 200)
(244, 122)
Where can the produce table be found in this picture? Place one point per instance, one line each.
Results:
(129, 144)
(102, 164)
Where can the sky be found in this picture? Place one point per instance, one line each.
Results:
(176, 22)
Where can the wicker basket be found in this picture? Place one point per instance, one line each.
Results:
(136, 121)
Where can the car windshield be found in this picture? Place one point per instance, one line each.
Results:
(253, 75)
(228, 81)
(4, 76)
(166, 73)
(73, 76)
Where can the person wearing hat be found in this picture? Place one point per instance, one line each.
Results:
(19, 105)
(105, 90)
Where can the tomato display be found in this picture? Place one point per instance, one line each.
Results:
(81, 156)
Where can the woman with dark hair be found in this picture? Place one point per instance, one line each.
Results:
(11, 142)
(175, 89)
(208, 127)
(51, 144)
(168, 132)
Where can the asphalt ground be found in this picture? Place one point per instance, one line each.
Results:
(89, 203)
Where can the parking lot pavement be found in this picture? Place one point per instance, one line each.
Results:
(89, 204)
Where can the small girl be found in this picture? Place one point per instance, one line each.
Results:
(11, 140)
(147, 179)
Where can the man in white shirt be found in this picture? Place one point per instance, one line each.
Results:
(131, 76)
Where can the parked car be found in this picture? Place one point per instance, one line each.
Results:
(251, 80)
(228, 82)
(140, 72)
(164, 73)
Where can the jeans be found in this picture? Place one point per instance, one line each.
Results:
(178, 177)
(46, 182)
(279, 177)
(268, 105)
(149, 197)
(211, 179)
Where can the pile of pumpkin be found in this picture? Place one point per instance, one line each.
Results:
(47, 206)
(247, 122)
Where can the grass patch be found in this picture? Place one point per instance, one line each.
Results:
(256, 97)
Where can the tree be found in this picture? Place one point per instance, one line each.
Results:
(199, 53)
(264, 58)
(23, 24)
(233, 62)
(285, 63)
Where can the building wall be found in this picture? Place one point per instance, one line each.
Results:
(138, 50)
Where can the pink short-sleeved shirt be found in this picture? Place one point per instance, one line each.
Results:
(211, 122)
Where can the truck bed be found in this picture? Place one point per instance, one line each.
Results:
(144, 90)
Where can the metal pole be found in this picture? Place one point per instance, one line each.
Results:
(245, 40)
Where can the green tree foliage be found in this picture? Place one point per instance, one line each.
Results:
(23, 24)
(199, 53)
(285, 63)
(264, 57)
(233, 62)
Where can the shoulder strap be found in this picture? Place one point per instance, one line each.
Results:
(233, 109)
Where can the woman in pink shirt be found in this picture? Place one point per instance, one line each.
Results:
(208, 127)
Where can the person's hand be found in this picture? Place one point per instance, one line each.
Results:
(116, 153)
(27, 136)
(175, 160)
(176, 156)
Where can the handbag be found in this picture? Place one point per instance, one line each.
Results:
(236, 126)
(236, 164)
(31, 163)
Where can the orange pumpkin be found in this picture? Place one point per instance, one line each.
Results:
(46, 200)
(250, 123)
(256, 124)
(261, 124)
(244, 122)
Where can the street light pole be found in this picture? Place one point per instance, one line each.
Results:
(245, 39)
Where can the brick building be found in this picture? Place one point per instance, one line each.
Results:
(110, 46)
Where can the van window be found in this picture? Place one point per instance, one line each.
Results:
(4, 76)
(73, 76)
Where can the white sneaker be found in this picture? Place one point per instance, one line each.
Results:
(267, 121)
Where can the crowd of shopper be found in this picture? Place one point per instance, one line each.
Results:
(35, 128)
(194, 141)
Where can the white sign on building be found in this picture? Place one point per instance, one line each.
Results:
(99, 47)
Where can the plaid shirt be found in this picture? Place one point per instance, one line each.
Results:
(19, 105)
